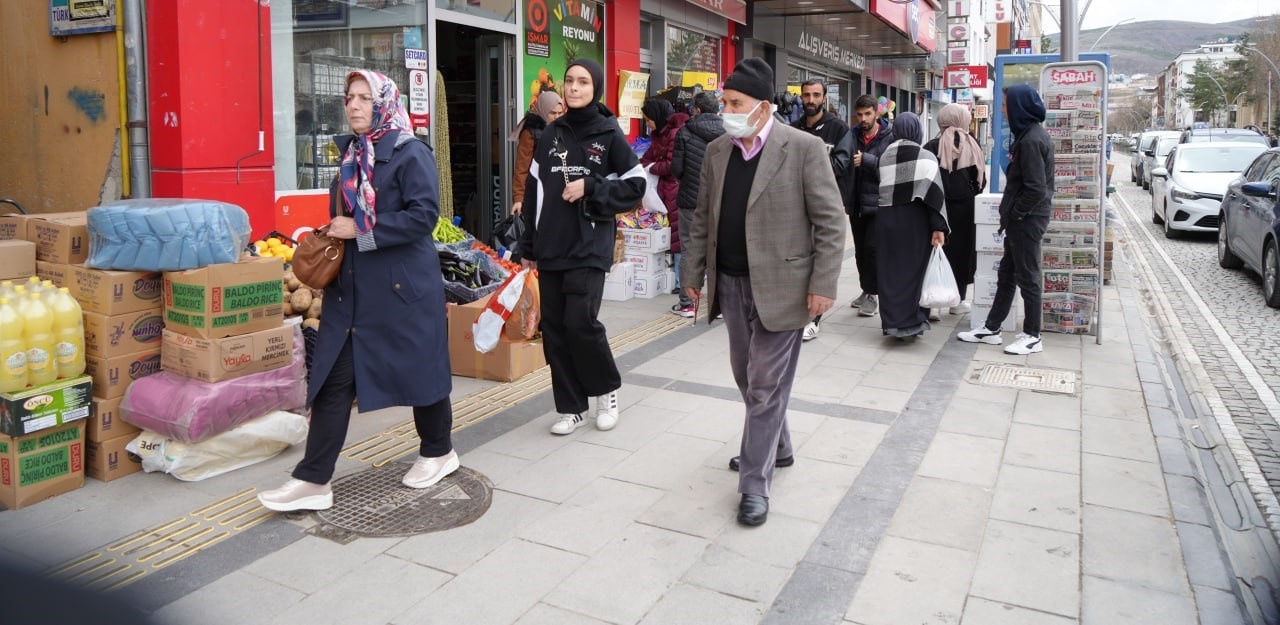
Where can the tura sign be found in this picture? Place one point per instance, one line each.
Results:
(826, 50)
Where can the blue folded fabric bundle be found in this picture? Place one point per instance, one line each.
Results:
(165, 234)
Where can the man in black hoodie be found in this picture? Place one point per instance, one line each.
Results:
(686, 164)
(1024, 214)
(821, 123)
(873, 136)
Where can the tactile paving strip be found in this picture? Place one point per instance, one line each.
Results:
(1029, 378)
(374, 502)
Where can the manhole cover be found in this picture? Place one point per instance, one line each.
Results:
(375, 503)
(1030, 379)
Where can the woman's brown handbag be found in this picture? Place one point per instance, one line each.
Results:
(318, 258)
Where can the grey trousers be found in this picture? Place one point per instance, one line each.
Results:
(764, 367)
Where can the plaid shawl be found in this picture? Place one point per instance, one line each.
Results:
(907, 173)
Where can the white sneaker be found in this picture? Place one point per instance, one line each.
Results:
(607, 411)
(427, 472)
(297, 495)
(1024, 344)
(567, 423)
(959, 310)
(981, 335)
(933, 315)
(810, 332)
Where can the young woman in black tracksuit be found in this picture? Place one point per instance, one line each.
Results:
(583, 174)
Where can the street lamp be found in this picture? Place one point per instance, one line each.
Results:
(1274, 71)
(1108, 31)
(1225, 101)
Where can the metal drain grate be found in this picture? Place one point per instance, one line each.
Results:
(375, 503)
(1028, 378)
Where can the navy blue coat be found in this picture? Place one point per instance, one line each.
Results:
(390, 301)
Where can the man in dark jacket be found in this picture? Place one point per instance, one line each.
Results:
(686, 164)
(873, 136)
(1024, 214)
(821, 123)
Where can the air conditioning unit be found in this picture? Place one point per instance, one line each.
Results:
(922, 81)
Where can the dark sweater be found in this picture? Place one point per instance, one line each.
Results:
(731, 246)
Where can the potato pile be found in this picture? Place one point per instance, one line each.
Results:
(300, 299)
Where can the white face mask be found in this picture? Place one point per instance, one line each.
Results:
(737, 124)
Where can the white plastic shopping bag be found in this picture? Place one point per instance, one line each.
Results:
(652, 201)
(488, 326)
(250, 443)
(939, 289)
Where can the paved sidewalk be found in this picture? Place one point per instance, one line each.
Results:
(918, 496)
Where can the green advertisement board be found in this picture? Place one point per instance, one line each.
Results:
(556, 33)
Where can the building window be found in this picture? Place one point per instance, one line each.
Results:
(692, 57)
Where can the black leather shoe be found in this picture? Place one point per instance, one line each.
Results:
(780, 462)
(753, 510)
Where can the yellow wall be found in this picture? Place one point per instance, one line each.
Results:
(59, 114)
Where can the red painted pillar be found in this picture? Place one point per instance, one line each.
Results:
(729, 52)
(209, 96)
(622, 34)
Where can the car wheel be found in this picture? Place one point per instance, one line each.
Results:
(1155, 216)
(1271, 274)
(1169, 232)
(1226, 257)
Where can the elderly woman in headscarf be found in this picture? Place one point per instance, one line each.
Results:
(384, 315)
(912, 218)
(548, 107)
(664, 122)
(964, 176)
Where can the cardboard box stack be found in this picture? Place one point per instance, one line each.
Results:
(648, 251)
(122, 327)
(990, 250)
(510, 360)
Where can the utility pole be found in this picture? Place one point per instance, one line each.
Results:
(1070, 31)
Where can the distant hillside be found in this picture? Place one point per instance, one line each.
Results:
(1148, 47)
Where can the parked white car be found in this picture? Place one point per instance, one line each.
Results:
(1155, 155)
(1187, 190)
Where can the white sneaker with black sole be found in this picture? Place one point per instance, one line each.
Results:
(1024, 344)
(981, 335)
(567, 423)
(810, 332)
(607, 411)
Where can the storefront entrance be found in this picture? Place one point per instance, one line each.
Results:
(479, 70)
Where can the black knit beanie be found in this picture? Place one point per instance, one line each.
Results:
(753, 77)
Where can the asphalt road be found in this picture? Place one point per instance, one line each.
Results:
(1232, 330)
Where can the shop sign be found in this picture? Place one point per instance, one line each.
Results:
(958, 56)
(1001, 11)
(709, 81)
(556, 32)
(981, 111)
(735, 10)
(958, 32)
(957, 78)
(976, 75)
(413, 37)
(419, 100)
(918, 19)
(79, 17)
(958, 8)
(300, 212)
(964, 96)
(826, 50)
(632, 89)
(415, 58)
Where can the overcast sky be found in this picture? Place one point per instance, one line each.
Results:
(1104, 13)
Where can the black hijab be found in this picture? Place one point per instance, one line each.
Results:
(595, 113)
(659, 111)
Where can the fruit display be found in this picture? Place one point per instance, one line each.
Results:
(274, 246)
(446, 232)
(300, 299)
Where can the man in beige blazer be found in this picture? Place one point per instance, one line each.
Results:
(768, 233)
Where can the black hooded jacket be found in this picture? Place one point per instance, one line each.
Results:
(557, 234)
(691, 148)
(866, 185)
(839, 141)
(1029, 186)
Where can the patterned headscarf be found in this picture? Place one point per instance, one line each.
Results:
(355, 177)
